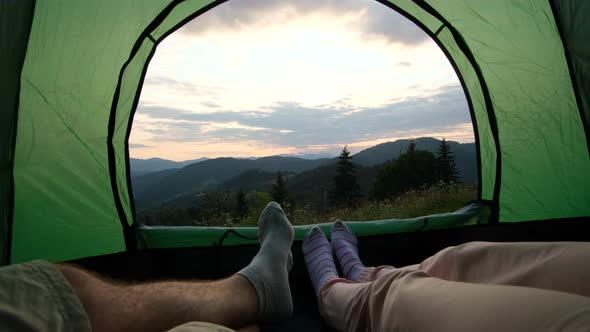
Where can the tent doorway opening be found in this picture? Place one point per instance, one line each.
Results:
(255, 101)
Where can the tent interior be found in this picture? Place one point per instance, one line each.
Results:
(398, 249)
(72, 76)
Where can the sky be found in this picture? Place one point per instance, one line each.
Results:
(253, 78)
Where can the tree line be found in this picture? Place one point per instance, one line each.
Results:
(413, 169)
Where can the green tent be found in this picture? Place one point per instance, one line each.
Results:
(72, 72)
(71, 75)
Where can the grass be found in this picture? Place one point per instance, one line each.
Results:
(436, 199)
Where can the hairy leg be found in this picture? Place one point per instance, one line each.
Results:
(260, 291)
(560, 266)
(160, 306)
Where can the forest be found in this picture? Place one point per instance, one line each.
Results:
(412, 183)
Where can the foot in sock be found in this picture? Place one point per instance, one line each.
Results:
(319, 259)
(345, 247)
(269, 270)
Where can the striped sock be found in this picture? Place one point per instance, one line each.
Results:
(346, 249)
(318, 259)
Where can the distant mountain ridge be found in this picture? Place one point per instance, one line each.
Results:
(465, 154)
(256, 174)
(309, 155)
(208, 174)
(144, 166)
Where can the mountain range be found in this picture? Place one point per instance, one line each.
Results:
(464, 153)
(145, 166)
(308, 179)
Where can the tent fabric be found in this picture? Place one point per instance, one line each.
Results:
(15, 24)
(186, 236)
(61, 168)
(573, 19)
(531, 96)
(85, 63)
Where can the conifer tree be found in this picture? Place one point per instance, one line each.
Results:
(241, 203)
(411, 146)
(411, 153)
(411, 170)
(445, 164)
(279, 191)
(346, 190)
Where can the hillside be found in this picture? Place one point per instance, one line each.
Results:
(254, 179)
(312, 187)
(145, 166)
(464, 155)
(308, 178)
(209, 174)
(145, 181)
(308, 188)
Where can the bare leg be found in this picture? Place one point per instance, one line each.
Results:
(409, 300)
(560, 266)
(160, 306)
(259, 291)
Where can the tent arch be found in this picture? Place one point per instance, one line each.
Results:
(140, 57)
(122, 186)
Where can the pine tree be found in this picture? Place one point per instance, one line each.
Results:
(445, 164)
(346, 191)
(411, 146)
(241, 204)
(411, 170)
(411, 153)
(279, 191)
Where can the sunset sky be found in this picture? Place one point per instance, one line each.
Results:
(254, 78)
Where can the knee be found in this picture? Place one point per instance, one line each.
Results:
(464, 250)
(391, 300)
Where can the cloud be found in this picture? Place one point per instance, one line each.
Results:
(183, 87)
(404, 64)
(293, 125)
(385, 22)
(211, 104)
(375, 20)
(139, 146)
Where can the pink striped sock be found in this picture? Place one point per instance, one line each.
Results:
(319, 258)
(346, 249)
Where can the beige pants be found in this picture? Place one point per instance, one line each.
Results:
(478, 286)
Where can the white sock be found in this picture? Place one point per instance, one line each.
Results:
(269, 270)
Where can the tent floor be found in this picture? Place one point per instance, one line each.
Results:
(394, 249)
